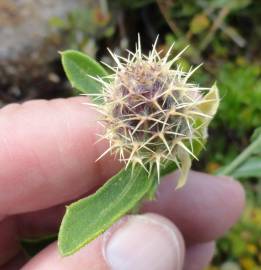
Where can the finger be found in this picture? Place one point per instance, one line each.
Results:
(136, 242)
(16, 263)
(204, 209)
(9, 242)
(40, 223)
(48, 154)
(199, 256)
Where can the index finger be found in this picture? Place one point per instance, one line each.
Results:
(48, 154)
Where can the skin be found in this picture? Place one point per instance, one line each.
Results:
(47, 160)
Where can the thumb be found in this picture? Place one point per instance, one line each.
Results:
(135, 242)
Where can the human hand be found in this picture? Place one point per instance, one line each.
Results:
(47, 160)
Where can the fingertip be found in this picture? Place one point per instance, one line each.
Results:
(198, 256)
(89, 257)
(9, 241)
(237, 191)
(135, 242)
(204, 209)
(145, 242)
(235, 195)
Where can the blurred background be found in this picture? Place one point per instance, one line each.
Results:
(223, 34)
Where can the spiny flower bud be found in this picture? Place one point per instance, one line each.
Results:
(152, 113)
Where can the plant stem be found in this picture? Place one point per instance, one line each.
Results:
(228, 170)
(216, 25)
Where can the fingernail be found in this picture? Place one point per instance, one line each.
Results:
(144, 242)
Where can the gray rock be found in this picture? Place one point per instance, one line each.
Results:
(29, 47)
(24, 28)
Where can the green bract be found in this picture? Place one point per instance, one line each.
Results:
(78, 68)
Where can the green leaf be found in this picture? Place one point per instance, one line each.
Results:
(87, 218)
(211, 101)
(78, 68)
(250, 168)
(256, 134)
(248, 154)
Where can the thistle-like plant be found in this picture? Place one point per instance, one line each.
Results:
(152, 112)
(155, 120)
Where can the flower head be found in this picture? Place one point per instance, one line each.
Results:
(152, 113)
